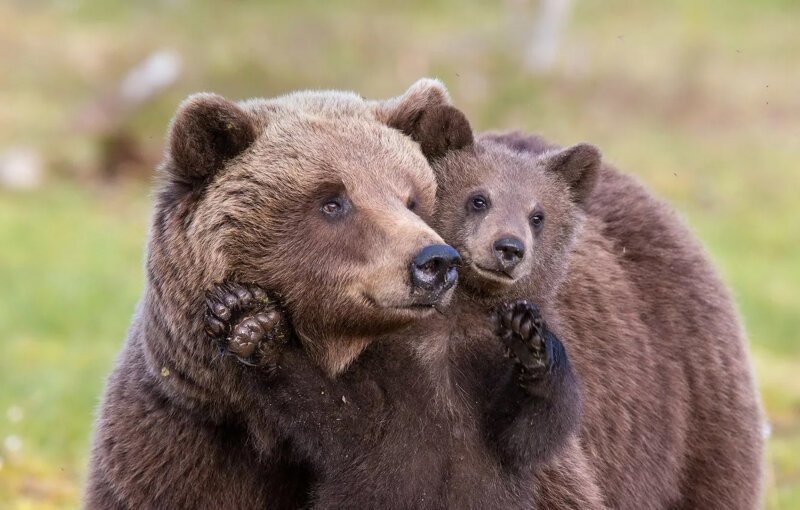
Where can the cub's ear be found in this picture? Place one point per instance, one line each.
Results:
(579, 166)
(207, 130)
(424, 113)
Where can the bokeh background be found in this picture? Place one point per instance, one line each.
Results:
(700, 99)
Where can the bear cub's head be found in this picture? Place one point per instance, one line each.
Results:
(315, 197)
(513, 216)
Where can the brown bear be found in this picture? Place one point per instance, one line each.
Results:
(254, 191)
(675, 421)
(315, 198)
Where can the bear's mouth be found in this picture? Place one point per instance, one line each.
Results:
(412, 306)
(493, 274)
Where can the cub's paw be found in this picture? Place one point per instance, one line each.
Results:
(245, 323)
(523, 331)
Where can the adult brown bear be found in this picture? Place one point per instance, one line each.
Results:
(408, 423)
(242, 192)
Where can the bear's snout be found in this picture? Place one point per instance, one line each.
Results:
(509, 252)
(433, 270)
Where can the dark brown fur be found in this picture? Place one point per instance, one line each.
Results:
(400, 428)
(672, 419)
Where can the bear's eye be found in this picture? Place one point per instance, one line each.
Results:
(411, 204)
(335, 207)
(537, 220)
(478, 203)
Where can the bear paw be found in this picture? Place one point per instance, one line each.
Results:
(244, 322)
(523, 331)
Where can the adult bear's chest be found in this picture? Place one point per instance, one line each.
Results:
(387, 437)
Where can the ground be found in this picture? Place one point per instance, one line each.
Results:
(700, 100)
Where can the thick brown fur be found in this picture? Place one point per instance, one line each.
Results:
(413, 423)
(638, 380)
(672, 418)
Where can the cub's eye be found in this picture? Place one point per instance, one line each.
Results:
(537, 220)
(335, 207)
(411, 204)
(478, 203)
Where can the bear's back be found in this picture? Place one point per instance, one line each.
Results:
(690, 312)
(634, 426)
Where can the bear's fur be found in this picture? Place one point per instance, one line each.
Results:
(672, 418)
(243, 185)
(400, 428)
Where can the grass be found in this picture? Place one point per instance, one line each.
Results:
(71, 277)
(698, 99)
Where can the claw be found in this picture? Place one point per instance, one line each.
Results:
(525, 329)
(504, 314)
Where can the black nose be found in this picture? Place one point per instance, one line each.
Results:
(509, 251)
(433, 269)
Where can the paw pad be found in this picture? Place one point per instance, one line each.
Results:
(243, 321)
(521, 328)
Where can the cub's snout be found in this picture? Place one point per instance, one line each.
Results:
(509, 251)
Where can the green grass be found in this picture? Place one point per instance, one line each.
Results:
(699, 99)
(71, 273)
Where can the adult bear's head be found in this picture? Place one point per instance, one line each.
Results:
(313, 196)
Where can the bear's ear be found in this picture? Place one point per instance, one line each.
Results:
(207, 130)
(424, 113)
(579, 166)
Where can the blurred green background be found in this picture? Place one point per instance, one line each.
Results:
(700, 99)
